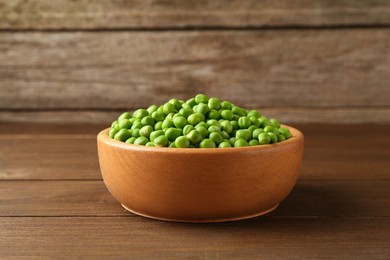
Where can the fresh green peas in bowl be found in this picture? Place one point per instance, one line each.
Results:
(199, 122)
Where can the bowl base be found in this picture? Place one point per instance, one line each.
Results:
(203, 220)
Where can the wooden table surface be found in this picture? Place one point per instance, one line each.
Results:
(53, 202)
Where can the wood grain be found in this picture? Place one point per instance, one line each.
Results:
(86, 14)
(80, 219)
(91, 198)
(268, 238)
(124, 70)
(331, 152)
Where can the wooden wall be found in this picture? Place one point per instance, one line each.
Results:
(300, 61)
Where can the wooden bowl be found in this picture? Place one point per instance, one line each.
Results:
(200, 185)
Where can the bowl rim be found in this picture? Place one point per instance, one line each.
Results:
(296, 136)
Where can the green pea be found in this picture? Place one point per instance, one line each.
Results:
(253, 142)
(238, 111)
(168, 108)
(124, 123)
(235, 125)
(130, 140)
(161, 141)
(254, 113)
(149, 144)
(185, 105)
(185, 112)
(172, 145)
(273, 137)
(122, 135)
(180, 121)
(240, 143)
(275, 122)
(207, 143)
(214, 128)
(201, 98)
(227, 126)
(224, 145)
(187, 129)
(243, 134)
(182, 142)
(204, 124)
(140, 113)
(158, 116)
(203, 131)
(269, 129)
(202, 108)
(216, 137)
(170, 116)
(173, 133)
(281, 137)
(232, 140)
(191, 102)
(145, 131)
(195, 118)
(264, 138)
(167, 123)
(137, 125)
(116, 122)
(225, 135)
(255, 121)
(158, 126)
(125, 115)
(256, 132)
(176, 104)
(252, 128)
(264, 122)
(214, 114)
(152, 109)
(113, 131)
(213, 122)
(226, 105)
(141, 140)
(214, 103)
(227, 114)
(135, 133)
(284, 131)
(147, 120)
(194, 136)
(155, 134)
(244, 122)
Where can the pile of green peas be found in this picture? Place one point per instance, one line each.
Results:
(199, 122)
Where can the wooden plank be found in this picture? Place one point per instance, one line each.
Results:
(290, 115)
(86, 14)
(266, 238)
(48, 157)
(124, 70)
(22, 129)
(91, 198)
(335, 152)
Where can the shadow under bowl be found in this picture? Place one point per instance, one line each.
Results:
(200, 185)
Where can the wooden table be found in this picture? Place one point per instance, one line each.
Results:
(53, 202)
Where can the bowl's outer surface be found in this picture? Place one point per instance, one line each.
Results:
(200, 185)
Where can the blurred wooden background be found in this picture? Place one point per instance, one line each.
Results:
(300, 61)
